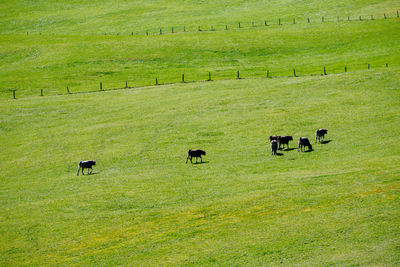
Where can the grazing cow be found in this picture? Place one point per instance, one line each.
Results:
(86, 165)
(196, 153)
(273, 137)
(284, 140)
(303, 142)
(274, 147)
(320, 134)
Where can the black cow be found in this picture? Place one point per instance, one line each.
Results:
(86, 165)
(320, 135)
(195, 153)
(303, 142)
(284, 140)
(273, 137)
(274, 147)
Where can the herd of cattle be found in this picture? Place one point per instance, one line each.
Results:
(275, 140)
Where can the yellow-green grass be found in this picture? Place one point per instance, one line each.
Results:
(144, 206)
(80, 62)
(99, 16)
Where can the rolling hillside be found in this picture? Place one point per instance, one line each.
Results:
(143, 206)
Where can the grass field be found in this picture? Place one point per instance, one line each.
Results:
(335, 205)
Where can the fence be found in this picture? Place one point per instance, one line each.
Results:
(259, 23)
(227, 75)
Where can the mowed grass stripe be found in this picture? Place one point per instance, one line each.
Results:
(52, 62)
(144, 204)
(102, 17)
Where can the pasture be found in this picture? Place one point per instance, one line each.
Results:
(143, 205)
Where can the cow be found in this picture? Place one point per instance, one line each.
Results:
(320, 134)
(86, 165)
(196, 153)
(273, 137)
(274, 147)
(284, 140)
(303, 142)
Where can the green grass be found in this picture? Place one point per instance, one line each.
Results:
(336, 205)
(53, 62)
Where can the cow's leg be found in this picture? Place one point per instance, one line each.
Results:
(91, 170)
(191, 159)
(201, 159)
(82, 170)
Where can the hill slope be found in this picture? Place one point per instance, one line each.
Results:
(335, 205)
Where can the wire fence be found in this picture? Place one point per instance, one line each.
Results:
(215, 75)
(268, 22)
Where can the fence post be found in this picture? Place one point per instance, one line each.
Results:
(238, 76)
(183, 78)
(360, 18)
(13, 94)
(41, 92)
(126, 84)
(147, 33)
(384, 15)
(348, 18)
(294, 21)
(101, 86)
(199, 29)
(267, 73)
(212, 28)
(368, 65)
(131, 33)
(156, 81)
(279, 21)
(387, 65)
(226, 27)
(265, 23)
(209, 76)
(160, 31)
(172, 30)
(345, 68)
(239, 25)
(308, 19)
(68, 90)
(184, 28)
(397, 13)
(324, 70)
(322, 19)
(294, 72)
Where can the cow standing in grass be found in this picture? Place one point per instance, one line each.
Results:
(274, 147)
(282, 140)
(274, 137)
(86, 165)
(303, 142)
(320, 135)
(195, 153)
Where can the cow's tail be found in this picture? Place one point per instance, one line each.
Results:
(79, 167)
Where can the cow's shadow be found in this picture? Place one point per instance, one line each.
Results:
(88, 174)
(308, 151)
(289, 149)
(326, 141)
(204, 162)
(279, 154)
